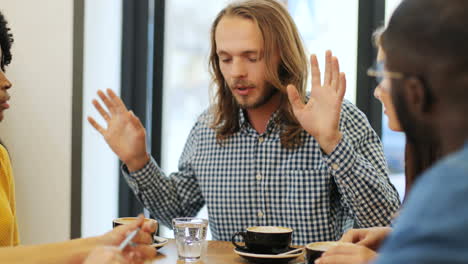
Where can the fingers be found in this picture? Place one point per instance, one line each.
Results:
(101, 110)
(332, 76)
(335, 74)
(315, 71)
(140, 252)
(336, 259)
(343, 248)
(367, 242)
(354, 235)
(342, 86)
(328, 68)
(294, 98)
(115, 255)
(347, 253)
(112, 102)
(107, 102)
(96, 125)
(131, 226)
(143, 237)
(150, 226)
(105, 255)
(118, 103)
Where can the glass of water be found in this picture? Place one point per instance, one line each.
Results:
(190, 235)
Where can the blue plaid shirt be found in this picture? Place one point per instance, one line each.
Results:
(251, 180)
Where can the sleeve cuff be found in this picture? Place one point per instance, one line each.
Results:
(139, 178)
(342, 157)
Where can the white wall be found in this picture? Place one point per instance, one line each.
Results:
(37, 128)
(102, 61)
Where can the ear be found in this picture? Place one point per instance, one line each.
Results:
(418, 97)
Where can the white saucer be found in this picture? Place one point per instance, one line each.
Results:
(266, 258)
(159, 242)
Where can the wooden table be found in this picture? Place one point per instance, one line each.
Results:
(217, 252)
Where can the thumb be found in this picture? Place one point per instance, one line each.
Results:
(294, 97)
(368, 242)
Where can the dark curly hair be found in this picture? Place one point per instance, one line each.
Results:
(6, 40)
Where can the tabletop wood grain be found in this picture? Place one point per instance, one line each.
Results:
(216, 252)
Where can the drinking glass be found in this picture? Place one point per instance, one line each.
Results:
(190, 235)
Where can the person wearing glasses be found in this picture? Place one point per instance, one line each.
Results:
(93, 250)
(364, 242)
(264, 153)
(426, 65)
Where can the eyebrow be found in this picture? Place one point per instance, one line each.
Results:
(247, 52)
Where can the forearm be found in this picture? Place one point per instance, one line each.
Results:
(166, 197)
(73, 252)
(364, 185)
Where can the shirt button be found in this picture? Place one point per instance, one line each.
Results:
(260, 214)
(259, 177)
(261, 139)
(335, 166)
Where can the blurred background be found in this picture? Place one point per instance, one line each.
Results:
(154, 53)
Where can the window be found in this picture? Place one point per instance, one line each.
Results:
(321, 31)
(186, 76)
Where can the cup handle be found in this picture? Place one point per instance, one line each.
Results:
(242, 234)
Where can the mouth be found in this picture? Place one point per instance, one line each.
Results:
(4, 104)
(243, 90)
(242, 87)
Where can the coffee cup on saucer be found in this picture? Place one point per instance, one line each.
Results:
(265, 239)
(127, 220)
(315, 250)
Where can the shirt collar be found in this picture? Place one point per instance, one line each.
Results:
(245, 125)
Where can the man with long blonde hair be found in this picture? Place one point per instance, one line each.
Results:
(256, 157)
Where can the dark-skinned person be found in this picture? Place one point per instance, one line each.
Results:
(427, 59)
(93, 250)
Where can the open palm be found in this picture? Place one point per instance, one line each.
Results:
(124, 133)
(320, 116)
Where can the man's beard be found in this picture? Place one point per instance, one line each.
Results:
(264, 98)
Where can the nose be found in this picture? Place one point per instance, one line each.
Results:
(238, 68)
(377, 92)
(5, 84)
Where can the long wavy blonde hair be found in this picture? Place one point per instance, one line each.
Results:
(280, 35)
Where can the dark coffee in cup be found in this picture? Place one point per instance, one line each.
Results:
(315, 250)
(127, 220)
(265, 239)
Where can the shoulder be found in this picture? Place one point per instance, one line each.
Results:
(354, 123)
(5, 164)
(449, 176)
(206, 117)
(351, 113)
(441, 191)
(4, 156)
(435, 212)
(202, 124)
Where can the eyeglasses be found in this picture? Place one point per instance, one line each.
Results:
(379, 73)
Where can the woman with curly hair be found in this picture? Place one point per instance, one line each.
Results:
(93, 250)
(8, 222)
